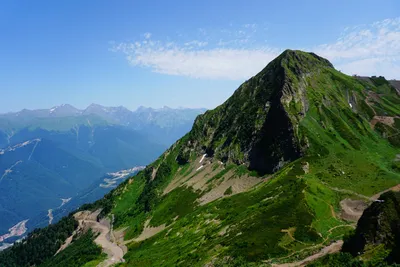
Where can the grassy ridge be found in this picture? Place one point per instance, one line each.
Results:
(323, 148)
(344, 153)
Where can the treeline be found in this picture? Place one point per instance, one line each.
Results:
(148, 198)
(81, 251)
(39, 245)
(106, 202)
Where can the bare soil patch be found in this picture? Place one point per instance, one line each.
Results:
(382, 119)
(202, 170)
(395, 188)
(147, 232)
(105, 239)
(332, 248)
(352, 209)
(238, 185)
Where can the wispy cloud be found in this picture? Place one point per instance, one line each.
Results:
(147, 35)
(365, 50)
(217, 63)
(370, 49)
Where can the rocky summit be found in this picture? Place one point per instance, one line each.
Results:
(258, 125)
(278, 174)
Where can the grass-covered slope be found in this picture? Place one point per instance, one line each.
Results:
(257, 125)
(260, 179)
(375, 241)
(377, 236)
(298, 115)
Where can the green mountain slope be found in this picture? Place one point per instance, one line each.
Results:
(375, 242)
(261, 178)
(377, 233)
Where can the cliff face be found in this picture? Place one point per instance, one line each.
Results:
(378, 229)
(257, 125)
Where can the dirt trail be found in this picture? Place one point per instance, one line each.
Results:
(290, 232)
(346, 191)
(352, 209)
(326, 250)
(114, 252)
(332, 248)
(333, 213)
(105, 239)
(383, 119)
(395, 188)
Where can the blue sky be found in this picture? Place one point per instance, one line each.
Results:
(178, 53)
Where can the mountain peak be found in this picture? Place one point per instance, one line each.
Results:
(143, 109)
(64, 110)
(295, 63)
(258, 125)
(165, 108)
(298, 56)
(94, 105)
(64, 106)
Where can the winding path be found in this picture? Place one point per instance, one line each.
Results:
(86, 219)
(114, 252)
(332, 248)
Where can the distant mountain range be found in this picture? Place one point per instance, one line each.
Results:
(172, 122)
(48, 155)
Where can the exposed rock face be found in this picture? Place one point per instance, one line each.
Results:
(258, 125)
(275, 143)
(379, 224)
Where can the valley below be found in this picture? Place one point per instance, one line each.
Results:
(53, 161)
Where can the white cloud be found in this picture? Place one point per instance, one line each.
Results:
(195, 43)
(250, 26)
(217, 63)
(367, 50)
(364, 50)
(147, 35)
(372, 66)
